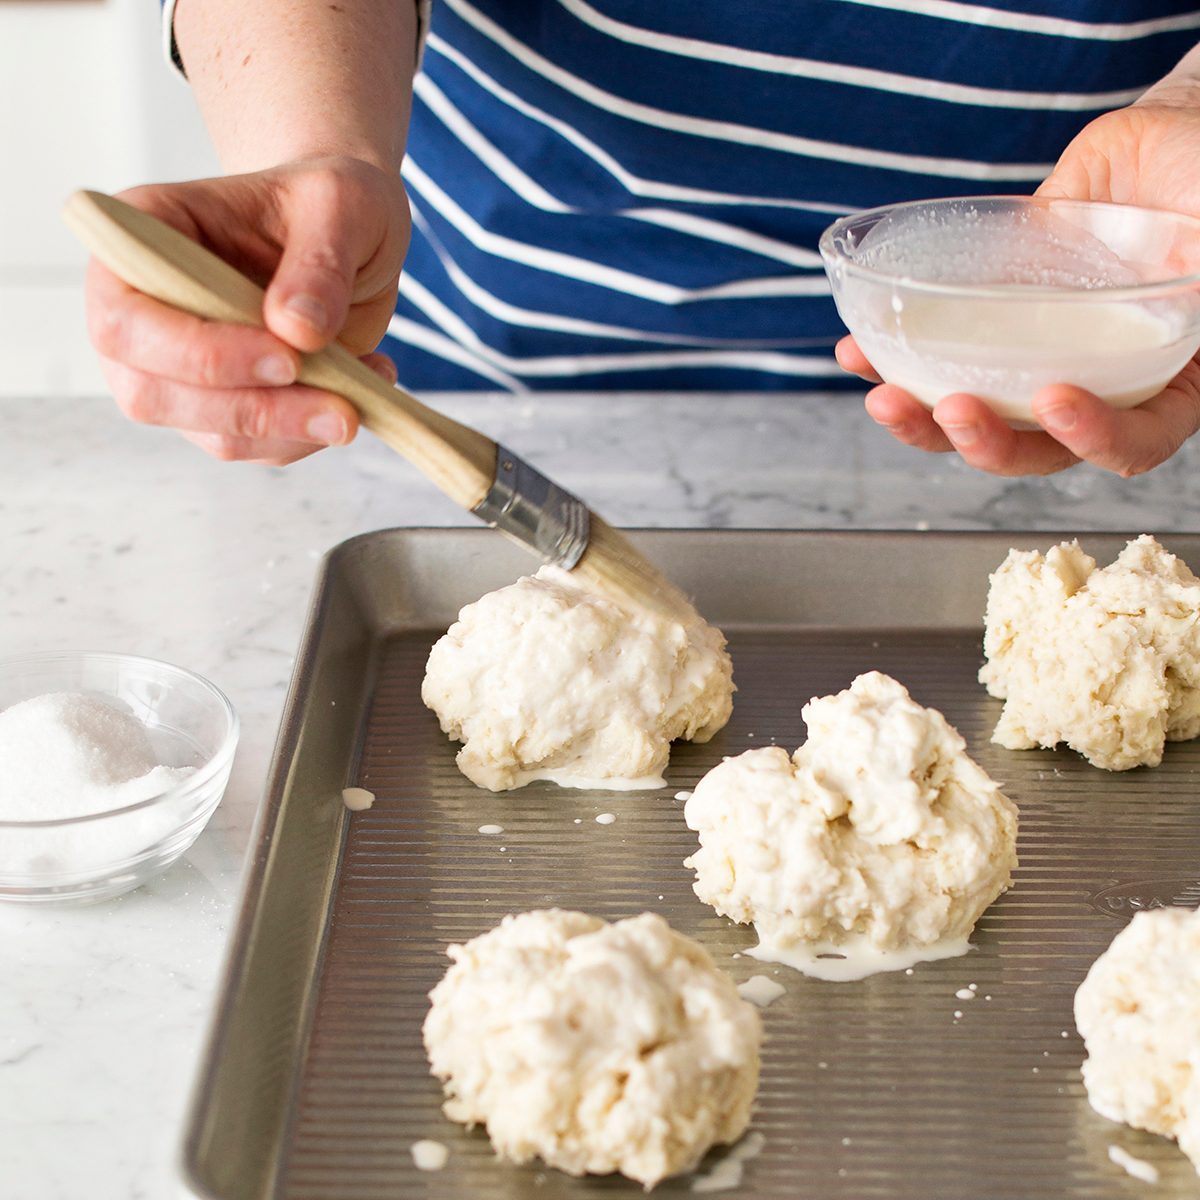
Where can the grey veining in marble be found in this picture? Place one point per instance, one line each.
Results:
(116, 537)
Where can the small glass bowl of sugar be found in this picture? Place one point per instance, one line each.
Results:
(110, 766)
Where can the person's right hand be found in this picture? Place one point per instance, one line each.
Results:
(327, 238)
(1147, 154)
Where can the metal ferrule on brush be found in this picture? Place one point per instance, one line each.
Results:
(535, 511)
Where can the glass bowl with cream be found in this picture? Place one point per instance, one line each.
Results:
(1000, 296)
(110, 766)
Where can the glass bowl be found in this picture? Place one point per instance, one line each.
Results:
(1000, 296)
(190, 724)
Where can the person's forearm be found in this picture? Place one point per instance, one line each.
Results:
(281, 80)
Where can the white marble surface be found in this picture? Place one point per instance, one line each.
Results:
(116, 537)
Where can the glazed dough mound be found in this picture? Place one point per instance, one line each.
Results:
(879, 830)
(544, 680)
(1138, 1011)
(1105, 660)
(597, 1047)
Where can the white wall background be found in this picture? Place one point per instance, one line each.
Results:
(87, 101)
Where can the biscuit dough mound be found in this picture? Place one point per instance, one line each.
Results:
(1138, 1012)
(879, 838)
(1106, 660)
(595, 1047)
(546, 680)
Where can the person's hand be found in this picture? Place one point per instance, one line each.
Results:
(326, 237)
(1148, 154)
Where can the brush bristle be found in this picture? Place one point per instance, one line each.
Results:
(613, 566)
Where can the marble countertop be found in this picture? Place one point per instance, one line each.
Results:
(122, 538)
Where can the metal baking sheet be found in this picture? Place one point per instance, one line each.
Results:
(315, 1084)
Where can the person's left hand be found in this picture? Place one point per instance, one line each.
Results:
(1147, 154)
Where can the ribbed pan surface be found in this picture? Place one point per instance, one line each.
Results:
(871, 1089)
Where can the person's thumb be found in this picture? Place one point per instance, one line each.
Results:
(309, 296)
(1062, 183)
(1054, 187)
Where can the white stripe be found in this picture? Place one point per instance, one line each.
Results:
(863, 77)
(500, 165)
(533, 193)
(585, 270)
(591, 364)
(529, 318)
(770, 362)
(746, 135)
(995, 18)
(635, 184)
(442, 316)
(435, 343)
(586, 364)
(729, 235)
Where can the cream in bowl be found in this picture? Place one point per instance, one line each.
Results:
(1000, 296)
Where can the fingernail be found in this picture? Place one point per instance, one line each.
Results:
(387, 369)
(275, 368)
(962, 435)
(327, 428)
(310, 310)
(1061, 416)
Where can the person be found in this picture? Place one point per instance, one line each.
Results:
(619, 194)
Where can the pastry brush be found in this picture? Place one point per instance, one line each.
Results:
(488, 480)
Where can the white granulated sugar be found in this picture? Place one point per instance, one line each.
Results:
(1137, 1167)
(964, 994)
(69, 754)
(606, 818)
(357, 799)
(428, 1155)
(491, 829)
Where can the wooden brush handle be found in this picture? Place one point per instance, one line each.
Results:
(160, 261)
